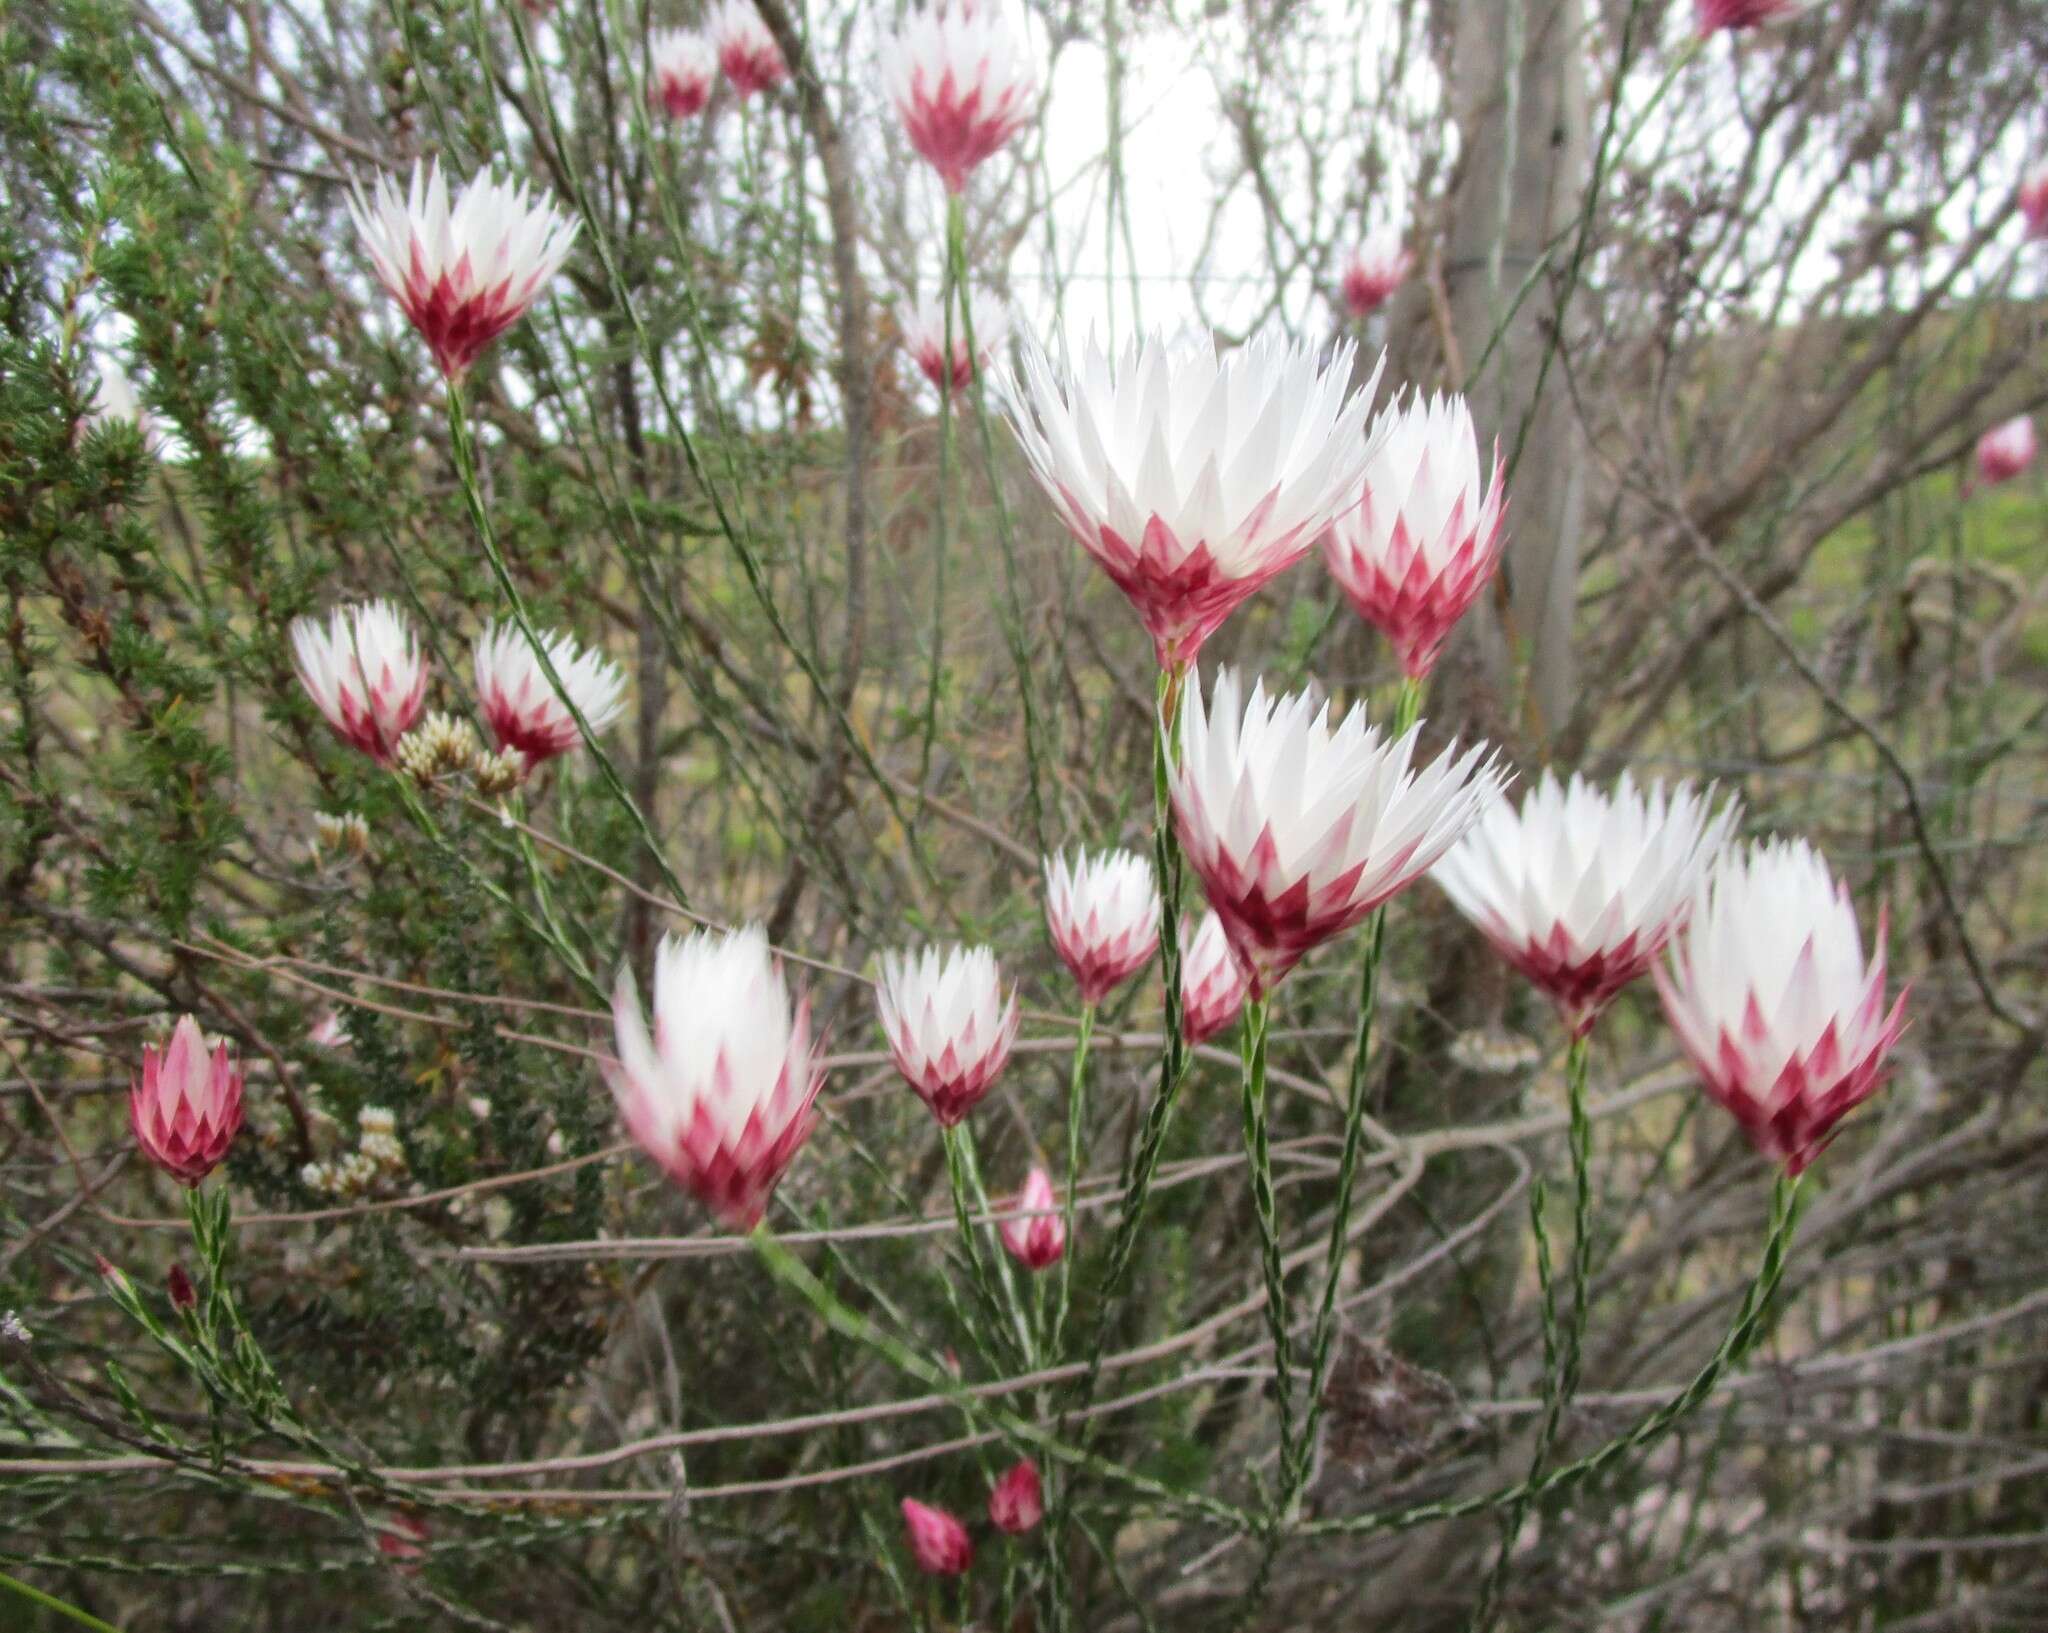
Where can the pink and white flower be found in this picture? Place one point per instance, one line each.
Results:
(1373, 273)
(1424, 539)
(522, 707)
(1771, 997)
(1714, 15)
(186, 1107)
(1016, 1502)
(1213, 981)
(364, 670)
(2034, 200)
(1193, 479)
(1039, 1236)
(463, 274)
(684, 66)
(1581, 889)
(721, 1094)
(2005, 451)
(924, 332)
(949, 1030)
(1298, 831)
(938, 1542)
(1103, 912)
(963, 84)
(746, 49)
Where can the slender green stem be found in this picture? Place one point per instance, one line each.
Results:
(36, 1596)
(1581, 1140)
(952, 291)
(1259, 1156)
(1077, 1101)
(1005, 1276)
(990, 1304)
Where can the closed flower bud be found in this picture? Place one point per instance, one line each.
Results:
(1213, 982)
(463, 274)
(1038, 1237)
(948, 1027)
(1103, 912)
(1016, 1502)
(1770, 995)
(186, 1106)
(938, 1542)
(1425, 537)
(1713, 15)
(721, 1094)
(364, 671)
(2005, 451)
(2034, 200)
(184, 1296)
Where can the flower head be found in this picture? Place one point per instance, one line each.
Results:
(948, 1028)
(1040, 1236)
(2034, 200)
(685, 67)
(1714, 15)
(1193, 479)
(746, 49)
(1425, 538)
(464, 274)
(520, 703)
(924, 332)
(1016, 1502)
(1103, 911)
(938, 1542)
(721, 1094)
(1213, 981)
(1580, 889)
(962, 83)
(363, 668)
(1770, 995)
(186, 1107)
(1298, 830)
(1373, 273)
(2005, 451)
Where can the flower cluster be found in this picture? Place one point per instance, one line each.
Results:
(376, 1167)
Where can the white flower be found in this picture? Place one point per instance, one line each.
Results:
(721, 1094)
(962, 83)
(1193, 479)
(685, 67)
(1425, 537)
(949, 1030)
(924, 333)
(463, 274)
(365, 672)
(1580, 889)
(1103, 912)
(1298, 830)
(521, 705)
(1770, 995)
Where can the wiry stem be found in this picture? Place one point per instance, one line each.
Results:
(1259, 1156)
(1077, 1100)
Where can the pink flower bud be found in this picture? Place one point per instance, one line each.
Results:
(186, 1107)
(1040, 1236)
(184, 1296)
(2034, 200)
(938, 1542)
(1016, 1502)
(2005, 451)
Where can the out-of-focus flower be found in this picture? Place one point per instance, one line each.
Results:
(1193, 479)
(1040, 1236)
(186, 1106)
(184, 1296)
(464, 274)
(1103, 912)
(948, 1028)
(1580, 889)
(1016, 1502)
(684, 66)
(746, 49)
(924, 333)
(938, 1542)
(1715, 15)
(1298, 831)
(1493, 1051)
(1770, 995)
(721, 1094)
(1213, 981)
(330, 1031)
(402, 1539)
(1421, 544)
(521, 705)
(364, 670)
(1373, 273)
(2034, 200)
(442, 744)
(342, 834)
(962, 83)
(2005, 451)
(14, 1329)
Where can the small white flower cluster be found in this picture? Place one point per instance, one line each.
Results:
(1494, 1052)
(441, 743)
(340, 836)
(375, 1167)
(12, 1327)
